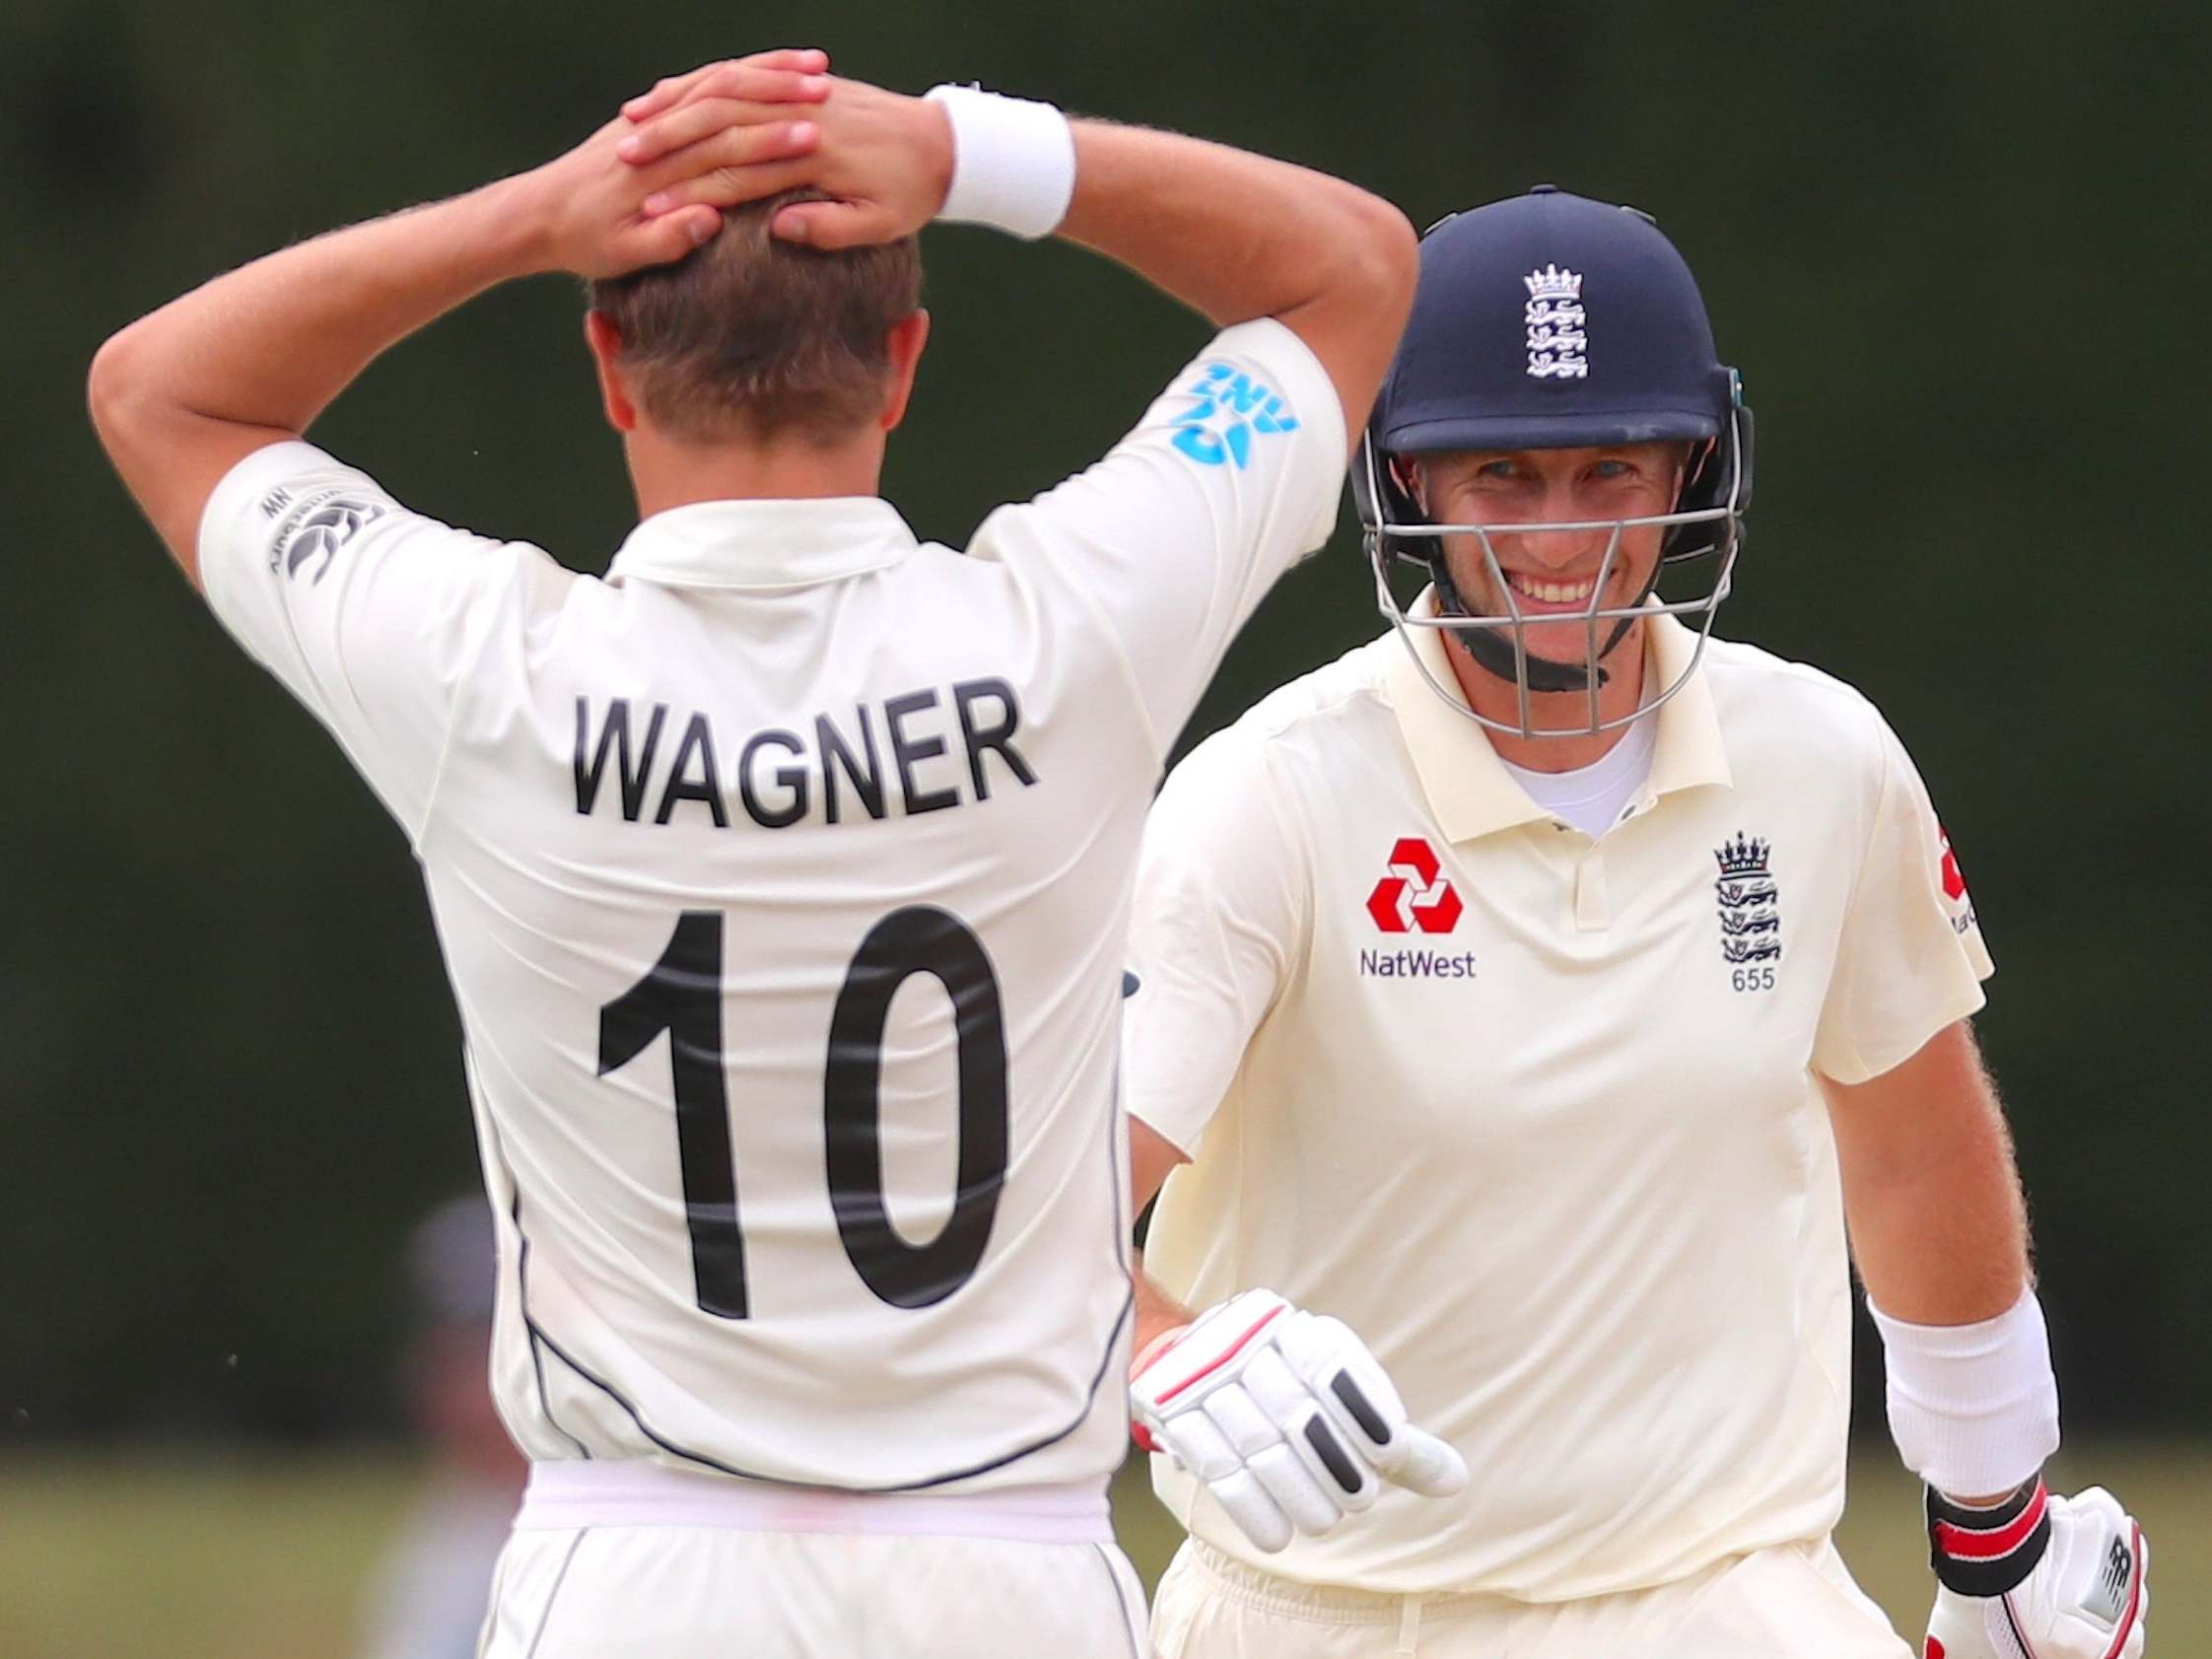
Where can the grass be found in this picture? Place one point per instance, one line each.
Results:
(116, 1555)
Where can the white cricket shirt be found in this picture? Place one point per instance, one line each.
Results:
(782, 880)
(1535, 1114)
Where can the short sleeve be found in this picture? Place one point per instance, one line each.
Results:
(369, 614)
(1911, 959)
(1217, 927)
(1170, 542)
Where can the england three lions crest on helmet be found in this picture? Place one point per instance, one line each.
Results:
(1749, 902)
(1557, 324)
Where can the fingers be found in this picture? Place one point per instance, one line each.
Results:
(1359, 1401)
(1433, 1467)
(786, 75)
(727, 186)
(665, 239)
(1338, 1470)
(1349, 1383)
(1198, 1444)
(745, 175)
(830, 226)
(1247, 1504)
(1255, 1437)
(736, 123)
(1235, 1447)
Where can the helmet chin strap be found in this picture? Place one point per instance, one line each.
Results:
(1494, 652)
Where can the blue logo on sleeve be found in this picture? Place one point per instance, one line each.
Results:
(1228, 406)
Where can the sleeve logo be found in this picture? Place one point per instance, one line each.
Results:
(317, 527)
(1953, 883)
(1963, 918)
(1228, 408)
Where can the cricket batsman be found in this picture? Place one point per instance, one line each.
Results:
(783, 874)
(1562, 997)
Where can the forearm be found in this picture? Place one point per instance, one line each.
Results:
(1237, 235)
(267, 347)
(1930, 1189)
(273, 342)
(1946, 1244)
(1231, 234)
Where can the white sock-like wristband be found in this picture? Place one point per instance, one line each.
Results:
(1974, 1409)
(1013, 162)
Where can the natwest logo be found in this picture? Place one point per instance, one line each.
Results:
(1415, 894)
(1953, 883)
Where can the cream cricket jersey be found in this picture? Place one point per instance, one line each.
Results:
(783, 881)
(1534, 1114)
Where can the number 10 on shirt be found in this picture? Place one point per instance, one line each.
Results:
(682, 995)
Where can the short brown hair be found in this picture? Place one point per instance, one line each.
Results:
(752, 336)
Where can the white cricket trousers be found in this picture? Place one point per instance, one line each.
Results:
(1792, 1602)
(632, 1561)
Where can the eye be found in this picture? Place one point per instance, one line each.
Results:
(1609, 469)
(1498, 470)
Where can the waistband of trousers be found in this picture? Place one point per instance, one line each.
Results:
(609, 1492)
(1332, 1604)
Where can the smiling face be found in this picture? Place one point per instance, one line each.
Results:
(1553, 573)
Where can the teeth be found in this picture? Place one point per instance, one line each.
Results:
(1551, 593)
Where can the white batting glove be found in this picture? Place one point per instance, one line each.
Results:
(2039, 1577)
(1284, 1415)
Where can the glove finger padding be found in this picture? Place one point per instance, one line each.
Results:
(1196, 1442)
(1433, 1467)
(1339, 1470)
(1259, 1441)
(1246, 1503)
(1294, 1489)
(1193, 1441)
(1359, 1399)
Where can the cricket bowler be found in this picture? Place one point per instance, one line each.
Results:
(783, 874)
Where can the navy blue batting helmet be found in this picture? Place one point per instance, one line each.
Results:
(1551, 320)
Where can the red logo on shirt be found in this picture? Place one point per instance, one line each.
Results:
(1954, 884)
(1415, 894)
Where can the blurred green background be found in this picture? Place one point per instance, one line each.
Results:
(1956, 250)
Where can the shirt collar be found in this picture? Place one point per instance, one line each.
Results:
(1467, 785)
(763, 543)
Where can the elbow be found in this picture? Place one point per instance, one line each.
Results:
(1387, 254)
(113, 388)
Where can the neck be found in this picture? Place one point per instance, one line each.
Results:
(1564, 713)
(667, 472)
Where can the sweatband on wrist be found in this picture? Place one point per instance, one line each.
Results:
(1013, 162)
(1988, 1552)
(1974, 1409)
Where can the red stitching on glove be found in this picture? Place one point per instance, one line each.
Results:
(1222, 1359)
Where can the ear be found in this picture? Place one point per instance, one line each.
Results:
(1691, 457)
(907, 338)
(1412, 477)
(606, 341)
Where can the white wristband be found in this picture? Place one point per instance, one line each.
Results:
(1974, 1409)
(1013, 162)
